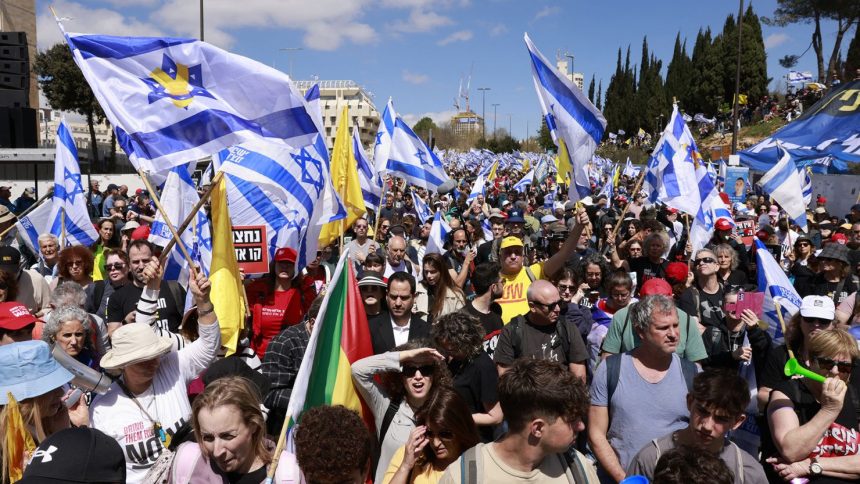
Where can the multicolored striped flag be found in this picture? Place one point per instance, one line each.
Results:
(340, 337)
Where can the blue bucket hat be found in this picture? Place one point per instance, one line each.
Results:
(27, 369)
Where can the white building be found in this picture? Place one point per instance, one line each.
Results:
(336, 94)
(563, 67)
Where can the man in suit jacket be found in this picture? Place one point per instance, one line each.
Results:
(401, 325)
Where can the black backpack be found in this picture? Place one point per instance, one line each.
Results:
(613, 372)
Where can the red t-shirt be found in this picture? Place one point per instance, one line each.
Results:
(282, 309)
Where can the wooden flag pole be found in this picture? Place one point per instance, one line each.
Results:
(627, 207)
(782, 325)
(185, 223)
(167, 222)
(378, 209)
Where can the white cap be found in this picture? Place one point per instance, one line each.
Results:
(818, 307)
(548, 219)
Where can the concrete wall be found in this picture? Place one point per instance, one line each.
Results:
(841, 191)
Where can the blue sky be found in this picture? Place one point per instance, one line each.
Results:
(415, 51)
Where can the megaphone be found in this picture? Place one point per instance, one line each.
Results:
(793, 367)
(84, 376)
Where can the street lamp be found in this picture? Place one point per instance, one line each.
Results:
(484, 109)
(288, 50)
(495, 105)
(201, 20)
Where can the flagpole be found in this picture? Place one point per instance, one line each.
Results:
(782, 325)
(167, 222)
(27, 212)
(626, 207)
(185, 223)
(378, 209)
(62, 227)
(279, 449)
(687, 228)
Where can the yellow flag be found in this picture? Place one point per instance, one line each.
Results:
(344, 177)
(616, 176)
(18, 441)
(562, 163)
(492, 175)
(227, 291)
(527, 165)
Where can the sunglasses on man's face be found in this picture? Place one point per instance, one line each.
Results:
(705, 260)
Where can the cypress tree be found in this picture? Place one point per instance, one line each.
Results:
(679, 79)
(852, 58)
(753, 59)
(591, 90)
(599, 95)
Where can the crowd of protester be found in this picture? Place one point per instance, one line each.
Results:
(550, 341)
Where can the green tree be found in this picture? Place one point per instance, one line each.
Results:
(423, 128)
(706, 90)
(679, 82)
(544, 138)
(599, 103)
(852, 58)
(591, 90)
(754, 78)
(650, 98)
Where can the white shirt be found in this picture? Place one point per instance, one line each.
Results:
(401, 333)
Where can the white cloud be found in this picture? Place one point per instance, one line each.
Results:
(438, 117)
(546, 12)
(87, 20)
(775, 40)
(415, 78)
(420, 21)
(459, 36)
(498, 29)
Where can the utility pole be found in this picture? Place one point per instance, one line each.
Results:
(737, 80)
(484, 110)
(289, 50)
(495, 105)
(511, 125)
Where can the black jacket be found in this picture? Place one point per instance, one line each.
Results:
(382, 336)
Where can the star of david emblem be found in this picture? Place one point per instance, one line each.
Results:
(177, 82)
(205, 242)
(307, 164)
(294, 222)
(379, 138)
(421, 154)
(77, 187)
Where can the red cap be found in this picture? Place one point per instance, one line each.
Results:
(141, 233)
(655, 286)
(671, 210)
(286, 254)
(15, 316)
(723, 224)
(821, 201)
(840, 239)
(725, 198)
(676, 272)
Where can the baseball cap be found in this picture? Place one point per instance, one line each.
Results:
(656, 286)
(773, 211)
(287, 254)
(141, 233)
(9, 255)
(30, 191)
(840, 239)
(548, 219)
(569, 205)
(79, 454)
(511, 241)
(821, 201)
(676, 272)
(130, 225)
(15, 316)
(723, 224)
(516, 216)
(671, 210)
(496, 213)
(5, 214)
(587, 201)
(818, 307)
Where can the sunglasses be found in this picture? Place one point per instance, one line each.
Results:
(550, 306)
(705, 260)
(828, 363)
(409, 370)
(118, 266)
(74, 263)
(818, 321)
(803, 244)
(442, 434)
(565, 288)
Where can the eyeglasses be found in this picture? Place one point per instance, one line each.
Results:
(817, 321)
(565, 288)
(118, 266)
(634, 249)
(442, 434)
(78, 262)
(705, 260)
(426, 370)
(827, 364)
(384, 226)
(550, 306)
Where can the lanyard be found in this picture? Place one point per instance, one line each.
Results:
(156, 425)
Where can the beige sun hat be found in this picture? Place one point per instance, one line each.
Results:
(134, 343)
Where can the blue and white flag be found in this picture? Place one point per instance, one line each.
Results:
(408, 156)
(630, 171)
(523, 185)
(178, 198)
(438, 235)
(289, 188)
(382, 146)
(776, 287)
(799, 76)
(69, 200)
(34, 224)
(785, 185)
(487, 229)
(570, 117)
(477, 189)
(807, 186)
(171, 100)
(371, 190)
(421, 208)
(607, 190)
(721, 173)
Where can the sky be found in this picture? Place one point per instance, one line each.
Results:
(416, 51)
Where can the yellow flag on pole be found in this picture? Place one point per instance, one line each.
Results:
(18, 442)
(227, 290)
(562, 163)
(492, 175)
(344, 177)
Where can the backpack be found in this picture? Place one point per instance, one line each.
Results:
(517, 336)
(471, 468)
(390, 412)
(613, 372)
(188, 458)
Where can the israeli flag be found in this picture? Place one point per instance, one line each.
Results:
(629, 170)
(799, 76)
(785, 185)
(178, 198)
(382, 146)
(807, 186)
(34, 224)
(477, 189)
(522, 185)
(570, 117)
(607, 190)
(410, 159)
(371, 190)
(421, 208)
(438, 235)
(487, 229)
(69, 200)
(776, 287)
(290, 189)
(171, 100)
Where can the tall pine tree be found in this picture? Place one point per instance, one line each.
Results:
(591, 90)
(599, 102)
(753, 59)
(852, 58)
(679, 75)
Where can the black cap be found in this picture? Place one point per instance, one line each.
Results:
(235, 366)
(9, 256)
(76, 455)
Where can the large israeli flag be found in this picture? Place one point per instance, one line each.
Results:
(477, 189)
(371, 190)
(171, 100)
(785, 185)
(382, 146)
(776, 287)
(289, 188)
(409, 158)
(178, 198)
(523, 185)
(69, 200)
(34, 224)
(570, 117)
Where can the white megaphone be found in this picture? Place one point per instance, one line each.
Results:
(84, 377)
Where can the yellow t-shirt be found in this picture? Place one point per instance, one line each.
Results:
(513, 301)
(420, 475)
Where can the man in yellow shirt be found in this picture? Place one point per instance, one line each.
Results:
(518, 277)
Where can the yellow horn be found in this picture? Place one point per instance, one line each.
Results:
(793, 367)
